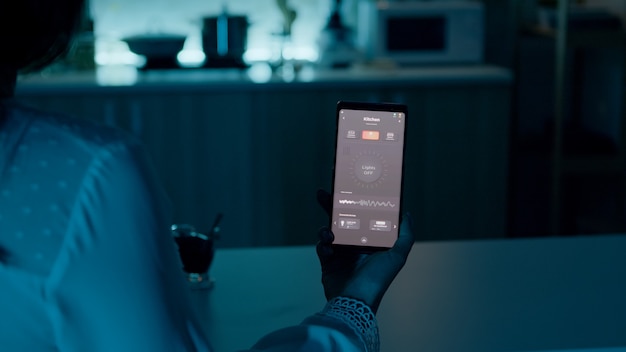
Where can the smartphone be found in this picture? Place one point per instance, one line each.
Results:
(367, 176)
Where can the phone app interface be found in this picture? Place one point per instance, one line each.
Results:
(368, 176)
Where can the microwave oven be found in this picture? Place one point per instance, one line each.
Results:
(421, 32)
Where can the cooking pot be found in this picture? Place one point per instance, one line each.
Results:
(224, 40)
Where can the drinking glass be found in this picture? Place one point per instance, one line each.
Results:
(196, 251)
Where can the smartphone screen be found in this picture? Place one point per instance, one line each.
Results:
(367, 183)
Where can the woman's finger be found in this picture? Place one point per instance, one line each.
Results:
(405, 240)
(324, 245)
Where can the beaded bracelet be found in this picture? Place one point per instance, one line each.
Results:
(358, 316)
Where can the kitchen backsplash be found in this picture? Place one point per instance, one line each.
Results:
(115, 19)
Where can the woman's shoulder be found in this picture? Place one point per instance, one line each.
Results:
(55, 130)
(83, 128)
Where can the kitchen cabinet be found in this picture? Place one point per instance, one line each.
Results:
(259, 151)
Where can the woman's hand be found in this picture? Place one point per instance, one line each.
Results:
(363, 276)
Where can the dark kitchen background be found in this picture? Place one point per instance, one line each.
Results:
(526, 140)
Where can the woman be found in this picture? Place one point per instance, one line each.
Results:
(87, 262)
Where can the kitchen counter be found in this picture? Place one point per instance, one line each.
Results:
(257, 78)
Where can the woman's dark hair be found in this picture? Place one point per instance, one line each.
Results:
(33, 33)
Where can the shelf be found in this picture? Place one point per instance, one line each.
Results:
(597, 38)
(593, 165)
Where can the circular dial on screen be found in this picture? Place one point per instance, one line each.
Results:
(368, 169)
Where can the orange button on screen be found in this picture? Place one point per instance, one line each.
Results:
(370, 135)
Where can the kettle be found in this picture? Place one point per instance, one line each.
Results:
(224, 40)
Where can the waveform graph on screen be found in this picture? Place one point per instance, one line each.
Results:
(367, 203)
(355, 201)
